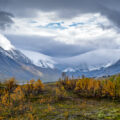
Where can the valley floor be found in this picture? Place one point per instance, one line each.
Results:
(45, 107)
(74, 109)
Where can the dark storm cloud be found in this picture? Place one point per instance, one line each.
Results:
(64, 8)
(5, 19)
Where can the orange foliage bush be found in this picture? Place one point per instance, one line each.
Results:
(13, 97)
(90, 87)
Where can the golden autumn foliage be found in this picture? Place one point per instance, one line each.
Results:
(14, 96)
(91, 87)
(38, 86)
(10, 84)
(17, 95)
(33, 87)
(4, 99)
(16, 99)
(60, 93)
(68, 84)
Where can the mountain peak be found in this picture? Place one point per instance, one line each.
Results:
(5, 43)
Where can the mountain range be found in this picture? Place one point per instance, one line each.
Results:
(25, 65)
(90, 64)
(13, 63)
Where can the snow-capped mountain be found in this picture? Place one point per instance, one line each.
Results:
(14, 63)
(40, 59)
(90, 63)
(25, 65)
(113, 69)
(109, 69)
(93, 60)
(15, 55)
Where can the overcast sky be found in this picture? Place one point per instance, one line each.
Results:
(61, 28)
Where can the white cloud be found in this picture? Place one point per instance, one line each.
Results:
(93, 30)
(23, 27)
(87, 31)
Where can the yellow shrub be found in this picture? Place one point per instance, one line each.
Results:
(38, 86)
(5, 99)
(61, 93)
(10, 84)
(18, 95)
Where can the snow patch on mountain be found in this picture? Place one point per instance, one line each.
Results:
(69, 70)
(98, 67)
(40, 59)
(5, 43)
(108, 65)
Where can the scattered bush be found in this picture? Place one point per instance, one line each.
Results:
(60, 93)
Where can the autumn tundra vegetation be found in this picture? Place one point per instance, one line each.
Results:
(67, 99)
(90, 87)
